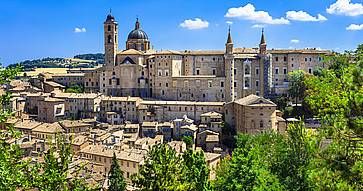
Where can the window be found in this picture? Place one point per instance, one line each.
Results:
(109, 81)
(257, 83)
(310, 70)
(222, 84)
(167, 85)
(247, 69)
(261, 124)
(235, 84)
(209, 84)
(277, 59)
(166, 72)
(276, 71)
(117, 81)
(285, 70)
(109, 28)
(214, 71)
(306, 59)
(247, 83)
(257, 71)
(235, 71)
(109, 39)
(285, 58)
(197, 71)
(309, 59)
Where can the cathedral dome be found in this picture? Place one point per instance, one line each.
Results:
(137, 33)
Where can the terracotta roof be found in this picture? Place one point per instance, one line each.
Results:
(27, 124)
(254, 100)
(130, 52)
(299, 51)
(48, 128)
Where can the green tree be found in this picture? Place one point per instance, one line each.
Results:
(296, 85)
(196, 172)
(75, 89)
(336, 96)
(248, 168)
(162, 170)
(115, 176)
(13, 169)
(188, 140)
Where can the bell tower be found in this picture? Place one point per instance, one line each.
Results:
(111, 40)
(229, 68)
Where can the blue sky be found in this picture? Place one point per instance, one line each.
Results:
(42, 28)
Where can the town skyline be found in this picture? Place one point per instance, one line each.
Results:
(63, 30)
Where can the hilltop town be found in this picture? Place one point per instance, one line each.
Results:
(142, 97)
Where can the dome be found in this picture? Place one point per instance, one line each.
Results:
(137, 33)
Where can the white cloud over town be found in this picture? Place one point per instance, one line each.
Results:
(355, 27)
(248, 12)
(80, 30)
(304, 16)
(294, 41)
(345, 7)
(194, 24)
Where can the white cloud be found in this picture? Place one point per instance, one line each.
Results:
(195, 24)
(294, 41)
(229, 22)
(345, 7)
(258, 26)
(249, 12)
(79, 30)
(355, 27)
(304, 16)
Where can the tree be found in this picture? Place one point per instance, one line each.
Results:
(165, 170)
(13, 169)
(115, 176)
(162, 170)
(247, 169)
(336, 96)
(296, 84)
(196, 172)
(188, 140)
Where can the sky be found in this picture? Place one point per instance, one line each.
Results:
(54, 28)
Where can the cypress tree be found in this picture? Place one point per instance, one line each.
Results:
(115, 176)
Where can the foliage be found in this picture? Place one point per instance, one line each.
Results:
(19, 174)
(115, 176)
(296, 84)
(165, 170)
(75, 89)
(161, 171)
(336, 96)
(196, 171)
(188, 140)
(97, 56)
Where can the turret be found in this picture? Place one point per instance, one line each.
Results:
(263, 45)
(229, 68)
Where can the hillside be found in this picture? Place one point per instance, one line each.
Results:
(78, 61)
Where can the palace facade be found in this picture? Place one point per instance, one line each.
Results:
(221, 75)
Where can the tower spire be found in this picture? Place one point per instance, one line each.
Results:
(137, 24)
(263, 41)
(229, 39)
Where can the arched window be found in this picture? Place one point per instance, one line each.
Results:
(109, 28)
(247, 69)
(109, 39)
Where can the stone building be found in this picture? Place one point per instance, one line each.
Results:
(251, 114)
(213, 76)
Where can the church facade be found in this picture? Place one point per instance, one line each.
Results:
(213, 76)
